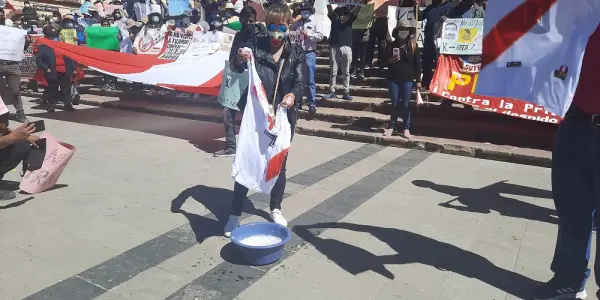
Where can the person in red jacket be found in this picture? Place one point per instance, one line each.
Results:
(58, 72)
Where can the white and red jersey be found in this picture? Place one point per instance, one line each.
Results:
(533, 49)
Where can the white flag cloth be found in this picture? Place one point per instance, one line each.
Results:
(264, 140)
(533, 50)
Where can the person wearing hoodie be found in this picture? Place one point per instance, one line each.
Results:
(10, 76)
(246, 38)
(30, 14)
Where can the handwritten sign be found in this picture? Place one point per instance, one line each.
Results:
(177, 44)
(69, 36)
(364, 20)
(12, 42)
(58, 155)
(462, 37)
(346, 2)
(150, 41)
(204, 43)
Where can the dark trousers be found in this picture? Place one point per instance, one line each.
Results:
(400, 93)
(576, 191)
(359, 51)
(12, 156)
(109, 80)
(240, 192)
(378, 34)
(58, 89)
(429, 61)
(229, 122)
(10, 80)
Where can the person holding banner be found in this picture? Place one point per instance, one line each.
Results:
(281, 67)
(404, 68)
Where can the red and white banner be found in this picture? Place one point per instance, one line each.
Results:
(456, 77)
(195, 70)
(264, 139)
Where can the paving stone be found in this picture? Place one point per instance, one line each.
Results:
(272, 286)
(394, 290)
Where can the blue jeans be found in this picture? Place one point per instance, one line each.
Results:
(311, 63)
(400, 94)
(576, 191)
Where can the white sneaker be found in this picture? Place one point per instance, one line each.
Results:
(278, 218)
(232, 223)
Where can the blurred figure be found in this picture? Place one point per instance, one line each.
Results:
(110, 82)
(30, 15)
(432, 14)
(58, 71)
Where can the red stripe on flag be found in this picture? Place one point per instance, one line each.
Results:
(513, 27)
(274, 165)
(211, 87)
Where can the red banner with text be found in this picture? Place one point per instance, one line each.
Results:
(455, 78)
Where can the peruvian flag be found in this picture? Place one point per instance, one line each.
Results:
(264, 139)
(200, 75)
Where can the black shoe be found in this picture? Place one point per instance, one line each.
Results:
(20, 117)
(225, 153)
(69, 107)
(49, 106)
(7, 195)
(312, 112)
(554, 290)
(76, 99)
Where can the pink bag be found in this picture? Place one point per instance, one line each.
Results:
(58, 155)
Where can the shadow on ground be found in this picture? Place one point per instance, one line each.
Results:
(203, 135)
(412, 248)
(489, 198)
(218, 202)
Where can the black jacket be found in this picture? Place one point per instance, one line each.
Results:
(409, 66)
(46, 60)
(29, 15)
(293, 74)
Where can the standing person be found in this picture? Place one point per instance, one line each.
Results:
(58, 72)
(432, 14)
(310, 37)
(30, 14)
(575, 186)
(274, 52)
(247, 37)
(378, 35)
(110, 82)
(10, 75)
(404, 67)
(360, 38)
(340, 43)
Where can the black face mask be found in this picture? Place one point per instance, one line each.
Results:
(248, 28)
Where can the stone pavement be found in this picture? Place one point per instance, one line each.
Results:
(138, 214)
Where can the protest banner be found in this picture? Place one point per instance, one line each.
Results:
(12, 43)
(28, 65)
(104, 38)
(177, 43)
(364, 20)
(207, 43)
(69, 36)
(456, 77)
(462, 37)
(346, 2)
(149, 41)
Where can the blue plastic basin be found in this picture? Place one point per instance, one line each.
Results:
(261, 255)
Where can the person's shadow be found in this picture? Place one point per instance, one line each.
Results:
(218, 202)
(412, 248)
(487, 199)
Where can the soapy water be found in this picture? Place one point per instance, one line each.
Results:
(260, 240)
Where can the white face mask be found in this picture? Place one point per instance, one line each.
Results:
(305, 14)
(403, 34)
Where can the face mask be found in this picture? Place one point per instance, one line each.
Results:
(228, 14)
(277, 37)
(155, 19)
(305, 14)
(403, 34)
(27, 5)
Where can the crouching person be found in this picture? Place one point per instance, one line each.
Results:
(14, 147)
(58, 72)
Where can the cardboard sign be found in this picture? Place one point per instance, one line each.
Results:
(456, 77)
(365, 17)
(69, 36)
(58, 155)
(12, 43)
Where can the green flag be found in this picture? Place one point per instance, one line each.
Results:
(104, 38)
(235, 25)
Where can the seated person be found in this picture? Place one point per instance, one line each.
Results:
(14, 147)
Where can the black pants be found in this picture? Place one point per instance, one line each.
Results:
(378, 34)
(12, 156)
(359, 50)
(58, 88)
(109, 80)
(240, 192)
(429, 62)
